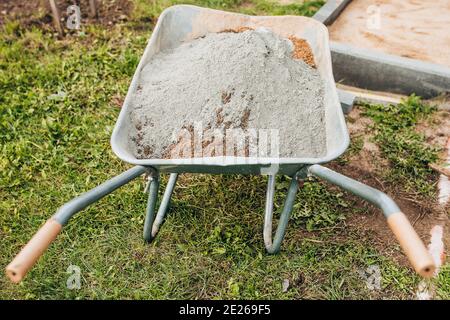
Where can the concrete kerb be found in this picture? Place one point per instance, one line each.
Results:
(383, 72)
(328, 13)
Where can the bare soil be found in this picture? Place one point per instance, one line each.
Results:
(38, 13)
(367, 166)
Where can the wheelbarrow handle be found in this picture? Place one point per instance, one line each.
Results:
(407, 237)
(31, 252)
(411, 244)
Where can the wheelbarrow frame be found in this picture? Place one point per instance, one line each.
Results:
(186, 22)
(153, 222)
(399, 224)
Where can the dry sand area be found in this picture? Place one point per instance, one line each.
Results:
(418, 29)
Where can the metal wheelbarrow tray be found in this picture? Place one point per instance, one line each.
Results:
(182, 23)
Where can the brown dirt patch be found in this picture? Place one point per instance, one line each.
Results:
(38, 13)
(437, 128)
(371, 224)
(369, 157)
(367, 166)
(28, 13)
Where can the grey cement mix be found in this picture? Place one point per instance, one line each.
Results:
(229, 80)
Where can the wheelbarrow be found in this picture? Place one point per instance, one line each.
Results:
(183, 23)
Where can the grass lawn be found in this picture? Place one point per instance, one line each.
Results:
(56, 147)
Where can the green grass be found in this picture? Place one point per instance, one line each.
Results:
(211, 244)
(152, 9)
(402, 145)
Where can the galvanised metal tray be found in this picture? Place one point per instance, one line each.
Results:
(183, 23)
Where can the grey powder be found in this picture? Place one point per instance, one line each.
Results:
(246, 80)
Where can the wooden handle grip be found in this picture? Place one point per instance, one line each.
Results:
(411, 244)
(32, 251)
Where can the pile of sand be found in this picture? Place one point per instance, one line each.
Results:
(250, 81)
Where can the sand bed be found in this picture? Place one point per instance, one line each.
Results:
(408, 28)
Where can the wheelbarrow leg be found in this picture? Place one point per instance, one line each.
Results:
(152, 223)
(410, 242)
(274, 247)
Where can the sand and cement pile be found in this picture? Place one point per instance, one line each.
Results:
(250, 80)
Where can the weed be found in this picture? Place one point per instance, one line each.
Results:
(442, 283)
(405, 148)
